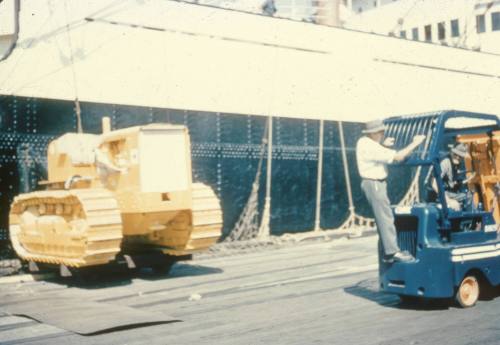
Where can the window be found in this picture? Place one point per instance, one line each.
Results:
(495, 21)
(480, 23)
(455, 29)
(441, 31)
(414, 34)
(402, 34)
(428, 33)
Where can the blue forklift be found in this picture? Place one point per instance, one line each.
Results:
(457, 251)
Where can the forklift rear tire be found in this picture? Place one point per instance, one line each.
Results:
(468, 292)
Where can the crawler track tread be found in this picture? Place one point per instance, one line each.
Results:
(90, 235)
(206, 218)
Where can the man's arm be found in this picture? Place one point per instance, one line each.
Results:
(403, 153)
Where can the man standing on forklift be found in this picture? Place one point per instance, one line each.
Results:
(372, 158)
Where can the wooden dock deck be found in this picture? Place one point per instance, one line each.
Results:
(312, 293)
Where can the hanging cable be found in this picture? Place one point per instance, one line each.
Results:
(346, 167)
(353, 221)
(265, 231)
(78, 111)
(319, 179)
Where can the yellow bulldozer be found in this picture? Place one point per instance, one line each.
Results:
(122, 192)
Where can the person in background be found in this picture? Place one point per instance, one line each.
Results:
(373, 157)
(450, 166)
(269, 8)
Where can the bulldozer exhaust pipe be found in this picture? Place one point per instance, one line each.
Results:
(106, 125)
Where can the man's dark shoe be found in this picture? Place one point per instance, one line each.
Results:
(403, 257)
(388, 259)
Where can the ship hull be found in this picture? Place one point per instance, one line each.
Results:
(226, 149)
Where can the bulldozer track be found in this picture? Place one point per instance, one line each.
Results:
(76, 228)
(206, 218)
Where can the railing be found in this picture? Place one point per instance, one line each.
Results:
(299, 10)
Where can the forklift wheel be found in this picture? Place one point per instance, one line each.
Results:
(468, 292)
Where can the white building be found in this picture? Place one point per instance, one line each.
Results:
(471, 24)
(460, 23)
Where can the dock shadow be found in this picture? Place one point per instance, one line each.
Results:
(180, 269)
(109, 277)
(369, 289)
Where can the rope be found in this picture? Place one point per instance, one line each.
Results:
(346, 166)
(353, 221)
(78, 112)
(356, 223)
(413, 193)
(247, 226)
(265, 231)
(319, 179)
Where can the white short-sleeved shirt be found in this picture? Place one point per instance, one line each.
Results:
(372, 159)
